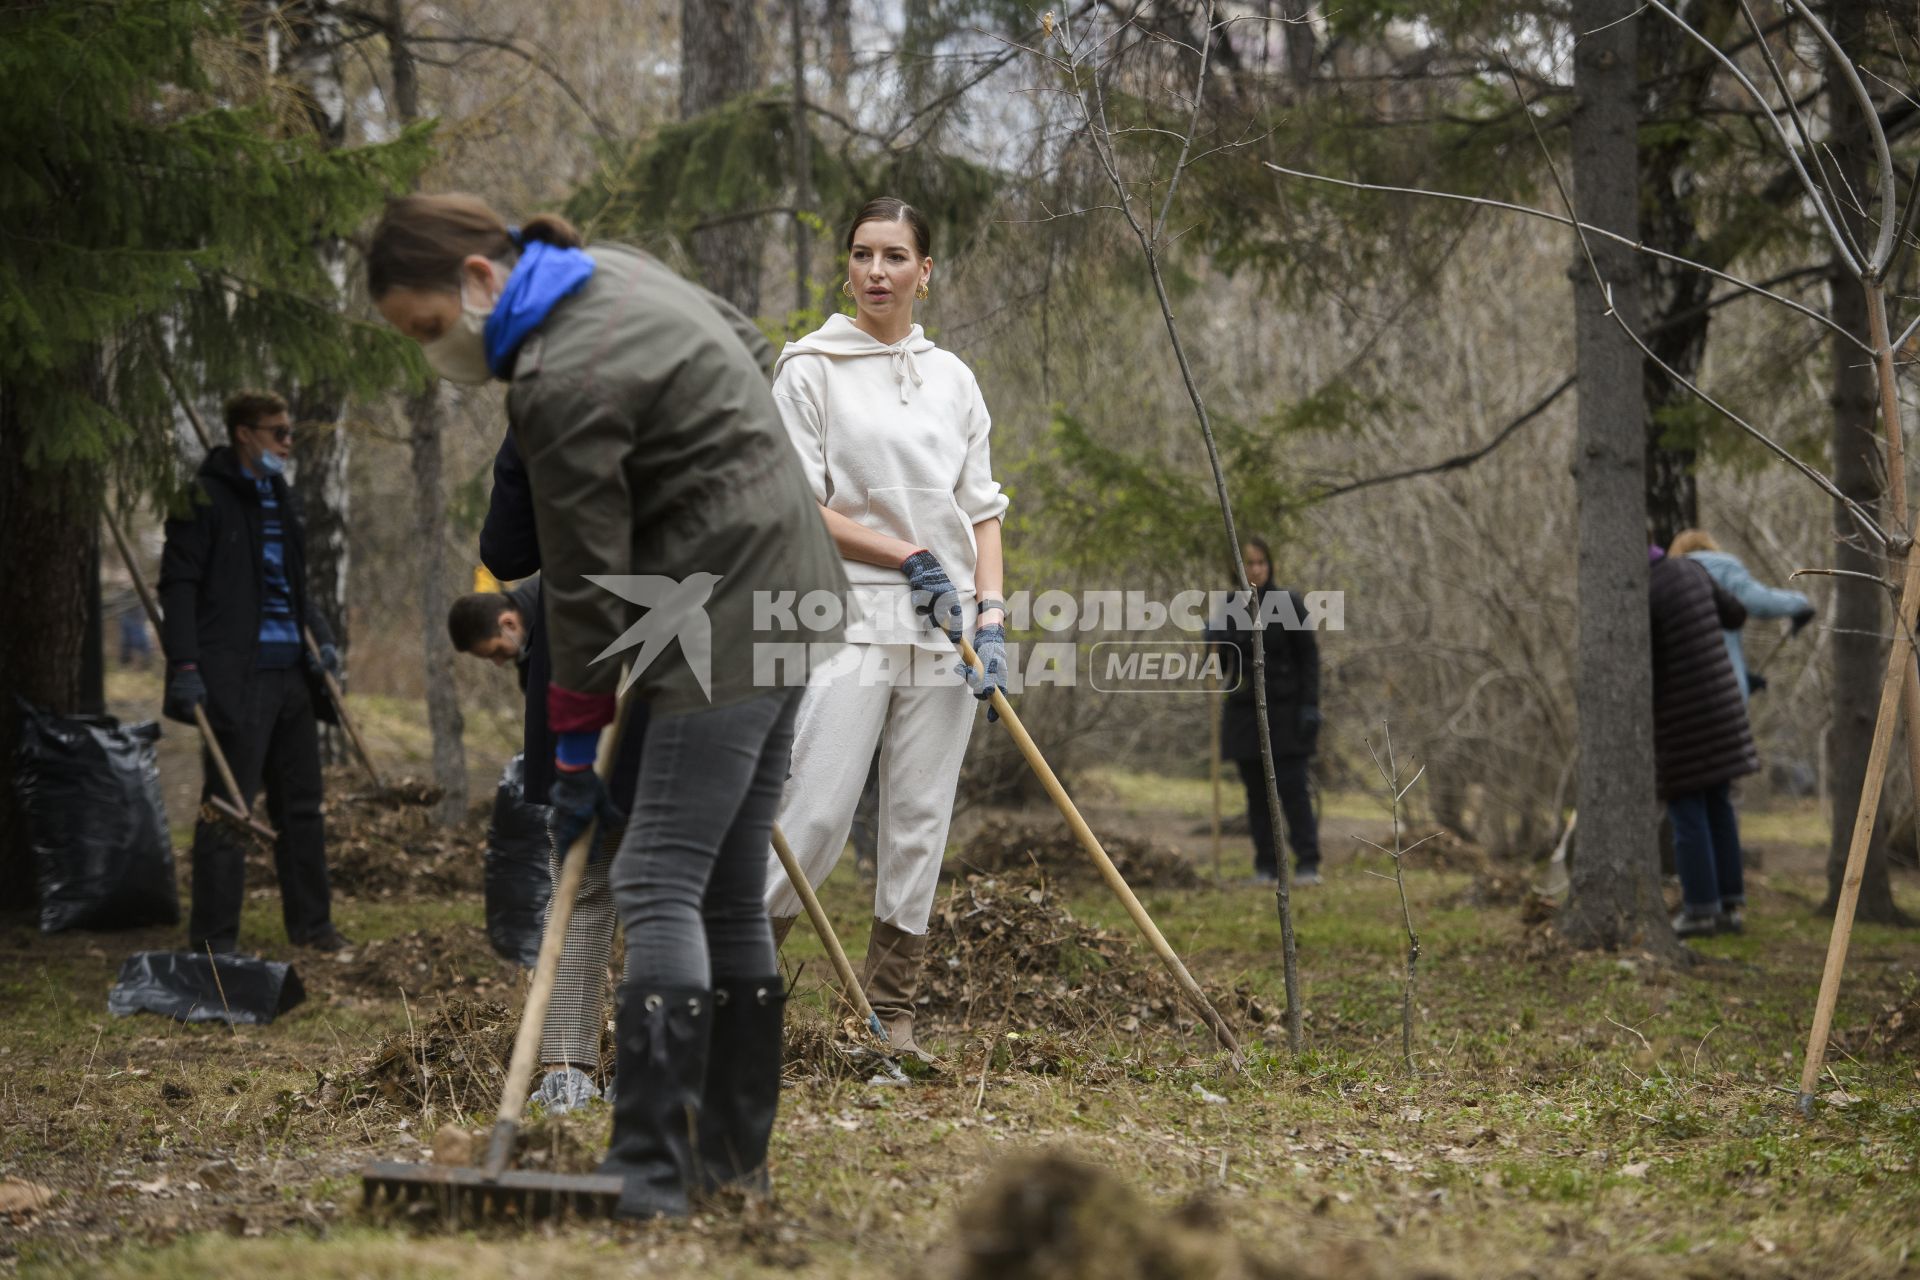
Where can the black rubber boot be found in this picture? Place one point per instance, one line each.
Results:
(743, 1083)
(661, 1047)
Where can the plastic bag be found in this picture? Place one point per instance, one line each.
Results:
(518, 879)
(90, 788)
(194, 987)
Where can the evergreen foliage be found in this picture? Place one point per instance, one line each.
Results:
(155, 196)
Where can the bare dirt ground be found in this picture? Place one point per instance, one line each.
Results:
(1571, 1115)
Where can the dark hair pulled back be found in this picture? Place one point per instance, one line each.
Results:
(422, 240)
(893, 209)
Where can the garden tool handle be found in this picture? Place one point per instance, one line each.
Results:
(339, 700)
(823, 927)
(1108, 872)
(235, 805)
(546, 968)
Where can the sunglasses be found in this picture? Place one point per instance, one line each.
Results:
(281, 435)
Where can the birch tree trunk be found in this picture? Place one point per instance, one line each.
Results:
(303, 42)
(426, 418)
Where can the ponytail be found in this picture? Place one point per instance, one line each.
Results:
(422, 240)
(550, 228)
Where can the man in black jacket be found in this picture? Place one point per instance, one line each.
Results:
(233, 588)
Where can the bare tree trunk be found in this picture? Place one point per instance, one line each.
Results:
(802, 164)
(839, 52)
(426, 417)
(719, 61)
(310, 32)
(430, 534)
(49, 526)
(1859, 660)
(1615, 894)
(1680, 77)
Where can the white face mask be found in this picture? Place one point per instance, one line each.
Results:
(460, 354)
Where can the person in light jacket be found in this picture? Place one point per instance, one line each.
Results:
(892, 434)
(1758, 599)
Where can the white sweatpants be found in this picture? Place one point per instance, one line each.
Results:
(914, 703)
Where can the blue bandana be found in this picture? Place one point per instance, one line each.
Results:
(544, 275)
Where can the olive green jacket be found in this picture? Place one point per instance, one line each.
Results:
(653, 447)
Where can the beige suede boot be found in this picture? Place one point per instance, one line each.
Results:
(891, 978)
(782, 926)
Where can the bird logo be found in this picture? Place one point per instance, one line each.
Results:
(676, 610)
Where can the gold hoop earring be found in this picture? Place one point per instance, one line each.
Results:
(846, 288)
(921, 292)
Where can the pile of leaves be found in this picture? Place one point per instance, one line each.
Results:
(454, 961)
(1893, 1032)
(453, 1060)
(1016, 847)
(1002, 954)
(821, 1050)
(1050, 1215)
(384, 844)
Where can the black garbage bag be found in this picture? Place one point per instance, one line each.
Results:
(196, 987)
(518, 880)
(90, 788)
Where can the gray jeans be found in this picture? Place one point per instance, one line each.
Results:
(690, 876)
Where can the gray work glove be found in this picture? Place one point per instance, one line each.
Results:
(933, 595)
(990, 644)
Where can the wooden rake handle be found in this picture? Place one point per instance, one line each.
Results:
(234, 804)
(339, 701)
(546, 968)
(824, 928)
(1108, 872)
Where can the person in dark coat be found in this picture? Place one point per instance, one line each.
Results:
(1701, 739)
(233, 587)
(1293, 719)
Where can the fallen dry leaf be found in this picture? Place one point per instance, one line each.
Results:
(20, 1199)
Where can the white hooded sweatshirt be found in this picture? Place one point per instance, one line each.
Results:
(894, 438)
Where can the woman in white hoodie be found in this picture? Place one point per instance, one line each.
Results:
(892, 433)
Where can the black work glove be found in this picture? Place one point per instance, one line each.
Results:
(578, 797)
(328, 663)
(1310, 722)
(933, 595)
(1756, 683)
(990, 644)
(185, 691)
(1801, 619)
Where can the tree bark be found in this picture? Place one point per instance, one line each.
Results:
(427, 418)
(429, 534)
(1859, 658)
(719, 61)
(311, 38)
(839, 52)
(1614, 899)
(1682, 76)
(802, 163)
(49, 527)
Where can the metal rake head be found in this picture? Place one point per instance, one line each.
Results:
(463, 1195)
